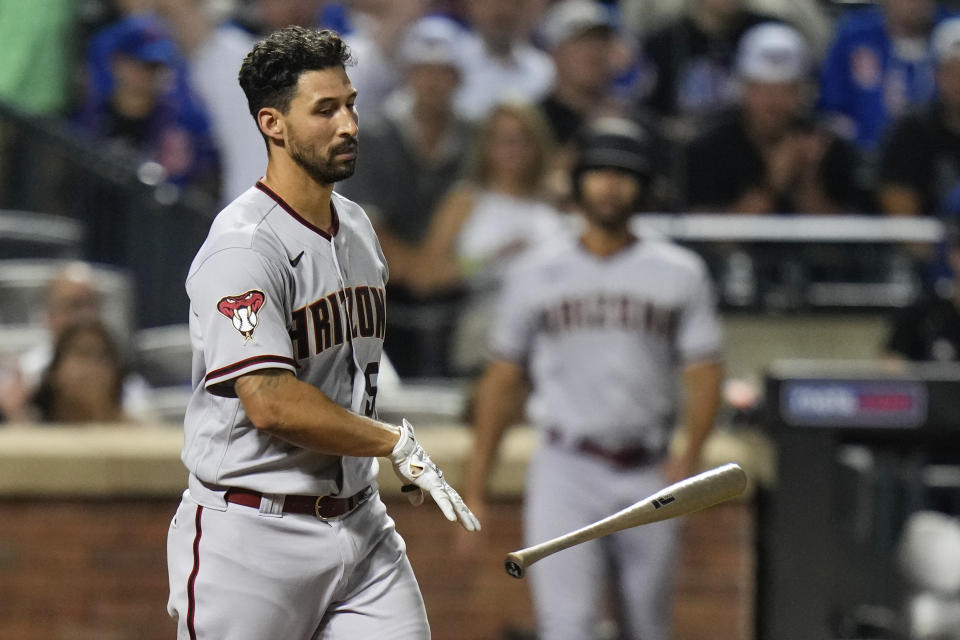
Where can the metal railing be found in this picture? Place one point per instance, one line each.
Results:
(126, 219)
(796, 262)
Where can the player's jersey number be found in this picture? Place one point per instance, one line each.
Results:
(370, 373)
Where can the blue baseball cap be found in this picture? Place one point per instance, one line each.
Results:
(143, 38)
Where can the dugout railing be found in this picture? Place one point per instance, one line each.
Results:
(783, 263)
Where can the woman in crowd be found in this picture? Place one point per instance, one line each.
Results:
(486, 221)
(84, 382)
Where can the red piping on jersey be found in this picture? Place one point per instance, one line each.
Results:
(236, 366)
(191, 599)
(335, 219)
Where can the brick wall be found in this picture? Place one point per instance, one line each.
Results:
(97, 569)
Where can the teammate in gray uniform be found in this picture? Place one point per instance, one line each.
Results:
(281, 533)
(596, 325)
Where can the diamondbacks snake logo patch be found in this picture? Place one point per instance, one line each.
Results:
(242, 311)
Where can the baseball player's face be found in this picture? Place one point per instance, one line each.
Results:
(609, 196)
(320, 127)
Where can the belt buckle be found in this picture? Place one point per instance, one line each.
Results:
(316, 509)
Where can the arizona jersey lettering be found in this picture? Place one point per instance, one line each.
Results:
(268, 290)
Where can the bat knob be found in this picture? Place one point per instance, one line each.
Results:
(513, 569)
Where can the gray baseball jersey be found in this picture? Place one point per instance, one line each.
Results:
(270, 290)
(602, 337)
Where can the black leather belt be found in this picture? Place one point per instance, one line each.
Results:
(323, 507)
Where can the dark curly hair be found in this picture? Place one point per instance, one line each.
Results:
(270, 72)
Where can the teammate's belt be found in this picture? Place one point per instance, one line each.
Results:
(323, 507)
(626, 457)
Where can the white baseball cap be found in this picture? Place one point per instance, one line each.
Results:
(772, 52)
(569, 18)
(432, 40)
(945, 39)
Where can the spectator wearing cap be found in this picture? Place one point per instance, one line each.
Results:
(768, 156)
(879, 65)
(419, 141)
(501, 63)
(692, 62)
(920, 163)
(582, 38)
(139, 104)
(580, 35)
(420, 146)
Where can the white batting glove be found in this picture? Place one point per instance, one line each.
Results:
(412, 464)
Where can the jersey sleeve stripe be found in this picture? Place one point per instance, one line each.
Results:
(237, 366)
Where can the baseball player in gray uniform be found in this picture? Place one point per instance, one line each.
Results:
(597, 325)
(281, 533)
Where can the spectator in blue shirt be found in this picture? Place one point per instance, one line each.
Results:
(879, 65)
(920, 163)
(139, 104)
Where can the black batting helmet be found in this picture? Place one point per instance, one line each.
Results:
(617, 143)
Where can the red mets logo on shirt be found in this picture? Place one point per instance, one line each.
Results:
(242, 311)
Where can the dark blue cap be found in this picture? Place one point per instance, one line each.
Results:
(143, 38)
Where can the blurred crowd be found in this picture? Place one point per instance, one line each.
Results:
(829, 107)
(470, 114)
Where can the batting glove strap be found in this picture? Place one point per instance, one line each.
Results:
(412, 464)
(406, 449)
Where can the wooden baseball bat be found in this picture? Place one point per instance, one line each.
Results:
(687, 496)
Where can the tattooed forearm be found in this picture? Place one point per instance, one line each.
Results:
(260, 381)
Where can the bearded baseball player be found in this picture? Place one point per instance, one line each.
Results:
(596, 325)
(282, 533)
